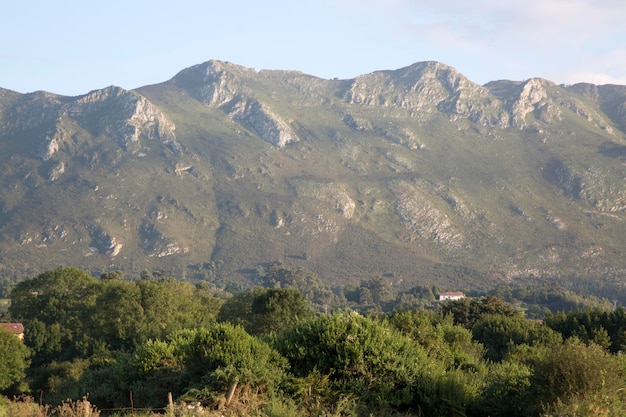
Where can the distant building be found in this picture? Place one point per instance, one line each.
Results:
(454, 295)
(15, 328)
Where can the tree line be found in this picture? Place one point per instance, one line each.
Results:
(275, 349)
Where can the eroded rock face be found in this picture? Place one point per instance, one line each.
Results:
(532, 93)
(334, 196)
(158, 245)
(103, 242)
(259, 118)
(427, 87)
(422, 218)
(214, 83)
(124, 115)
(223, 85)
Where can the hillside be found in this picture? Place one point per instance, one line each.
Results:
(417, 174)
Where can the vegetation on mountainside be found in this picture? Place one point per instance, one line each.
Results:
(418, 175)
(105, 344)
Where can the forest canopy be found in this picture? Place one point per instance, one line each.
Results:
(272, 348)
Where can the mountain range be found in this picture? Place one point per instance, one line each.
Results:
(417, 174)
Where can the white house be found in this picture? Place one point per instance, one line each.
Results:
(453, 295)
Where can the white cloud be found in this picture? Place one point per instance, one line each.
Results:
(608, 68)
(592, 78)
(549, 38)
(563, 21)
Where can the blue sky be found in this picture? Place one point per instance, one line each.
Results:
(71, 47)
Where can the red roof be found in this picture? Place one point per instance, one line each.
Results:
(16, 328)
(451, 293)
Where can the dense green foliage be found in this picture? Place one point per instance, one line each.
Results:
(68, 313)
(605, 328)
(360, 356)
(13, 360)
(217, 359)
(502, 334)
(265, 310)
(468, 311)
(266, 349)
(539, 298)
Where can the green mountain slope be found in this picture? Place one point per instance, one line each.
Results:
(418, 174)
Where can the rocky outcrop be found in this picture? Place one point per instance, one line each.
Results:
(561, 175)
(224, 85)
(425, 88)
(56, 171)
(124, 115)
(611, 98)
(214, 83)
(423, 218)
(103, 242)
(591, 185)
(31, 112)
(334, 197)
(266, 124)
(156, 244)
(530, 97)
(50, 145)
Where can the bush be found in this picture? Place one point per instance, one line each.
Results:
(569, 375)
(360, 357)
(220, 361)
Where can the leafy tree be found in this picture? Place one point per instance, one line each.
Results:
(160, 370)
(218, 361)
(501, 334)
(59, 380)
(306, 282)
(419, 296)
(117, 315)
(56, 307)
(575, 376)
(452, 344)
(170, 305)
(506, 391)
(237, 310)
(112, 275)
(361, 357)
(604, 328)
(277, 309)
(467, 311)
(108, 381)
(13, 359)
(265, 310)
(365, 296)
(57, 296)
(548, 297)
(379, 288)
(6, 285)
(69, 314)
(224, 356)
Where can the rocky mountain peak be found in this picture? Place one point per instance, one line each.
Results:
(121, 114)
(214, 83)
(426, 88)
(219, 84)
(424, 73)
(265, 123)
(530, 97)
